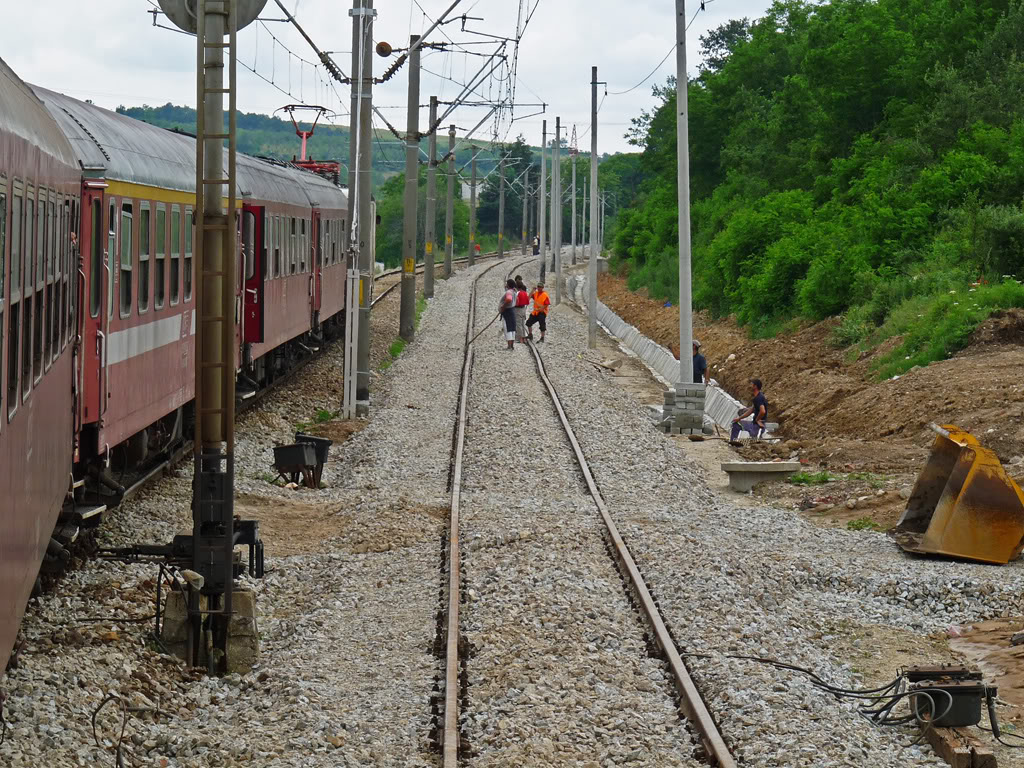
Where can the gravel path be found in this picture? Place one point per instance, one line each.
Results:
(763, 582)
(560, 673)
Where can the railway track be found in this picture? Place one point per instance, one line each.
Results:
(456, 679)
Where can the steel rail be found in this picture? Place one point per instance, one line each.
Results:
(450, 738)
(692, 704)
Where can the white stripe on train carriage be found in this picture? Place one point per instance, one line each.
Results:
(132, 342)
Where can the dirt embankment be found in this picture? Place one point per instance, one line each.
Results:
(844, 417)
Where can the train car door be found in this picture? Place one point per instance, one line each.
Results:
(95, 318)
(255, 265)
(318, 266)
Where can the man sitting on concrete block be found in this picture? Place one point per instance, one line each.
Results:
(758, 409)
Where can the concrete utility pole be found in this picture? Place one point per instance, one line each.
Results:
(574, 155)
(690, 396)
(472, 207)
(592, 267)
(501, 210)
(449, 210)
(556, 208)
(407, 318)
(683, 143)
(362, 63)
(541, 201)
(431, 223)
(526, 207)
(583, 220)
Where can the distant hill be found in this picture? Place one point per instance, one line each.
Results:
(273, 137)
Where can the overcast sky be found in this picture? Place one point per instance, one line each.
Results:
(109, 51)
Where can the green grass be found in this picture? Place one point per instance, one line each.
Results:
(396, 348)
(933, 326)
(810, 478)
(863, 524)
(875, 481)
(267, 477)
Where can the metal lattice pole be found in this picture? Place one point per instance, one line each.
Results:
(431, 223)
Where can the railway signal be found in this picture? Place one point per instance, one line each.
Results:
(213, 524)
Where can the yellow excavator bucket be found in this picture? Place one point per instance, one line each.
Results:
(963, 504)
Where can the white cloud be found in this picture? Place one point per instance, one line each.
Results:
(109, 51)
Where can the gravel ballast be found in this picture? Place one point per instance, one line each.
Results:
(559, 673)
(346, 611)
(762, 582)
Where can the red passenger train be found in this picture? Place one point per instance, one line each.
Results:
(98, 346)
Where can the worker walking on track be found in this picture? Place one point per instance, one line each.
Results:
(539, 316)
(507, 310)
(522, 302)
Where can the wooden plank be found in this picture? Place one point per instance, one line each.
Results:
(981, 754)
(950, 747)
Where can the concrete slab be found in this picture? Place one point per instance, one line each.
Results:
(744, 475)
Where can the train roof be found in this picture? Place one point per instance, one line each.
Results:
(25, 116)
(121, 148)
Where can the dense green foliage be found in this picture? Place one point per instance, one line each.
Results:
(863, 157)
(391, 208)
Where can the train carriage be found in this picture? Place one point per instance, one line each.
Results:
(137, 369)
(39, 203)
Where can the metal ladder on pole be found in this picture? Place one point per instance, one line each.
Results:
(213, 490)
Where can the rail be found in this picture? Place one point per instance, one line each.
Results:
(692, 705)
(450, 737)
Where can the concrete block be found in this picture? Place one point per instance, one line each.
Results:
(744, 475)
(243, 632)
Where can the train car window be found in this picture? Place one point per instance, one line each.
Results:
(51, 249)
(264, 267)
(14, 313)
(145, 221)
(29, 245)
(3, 267)
(48, 309)
(95, 259)
(190, 233)
(175, 253)
(248, 237)
(3, 244)
(292, 248)
(159, 276)
(127, 229)
(41, 221)
(303, 249)
(31, 238)
(277, 246)
(110, 254)
(61, 304)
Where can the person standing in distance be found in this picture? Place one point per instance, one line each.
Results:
(522, 302)
(700, 365)
(539, 316)
(507, 310)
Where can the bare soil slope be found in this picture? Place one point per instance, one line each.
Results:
(844, 417)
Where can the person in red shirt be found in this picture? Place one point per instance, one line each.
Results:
(522, 302)
(539, 316)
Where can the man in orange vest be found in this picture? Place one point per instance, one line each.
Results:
(539, 316)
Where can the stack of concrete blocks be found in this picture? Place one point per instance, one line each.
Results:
(686, 416)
